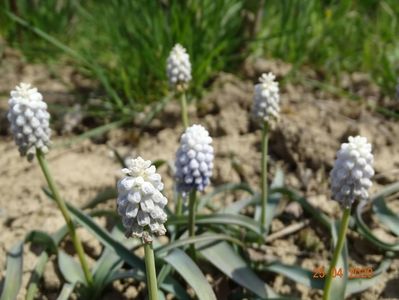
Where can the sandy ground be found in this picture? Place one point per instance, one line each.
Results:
(312, 126)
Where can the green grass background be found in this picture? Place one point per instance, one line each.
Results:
(123, 44)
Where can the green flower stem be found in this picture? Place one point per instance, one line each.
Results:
(337, 252)
(191, 219)
(265, 142)
(184, 114)
(152, 285)
(65, 213)
(179, 205)
(179, 210)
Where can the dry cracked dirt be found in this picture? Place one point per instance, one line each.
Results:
(313, 124)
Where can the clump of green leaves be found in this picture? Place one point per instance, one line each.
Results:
(124, 44)
(335, 37)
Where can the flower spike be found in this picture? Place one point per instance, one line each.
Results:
(140, 201)
(29, 120)
(194, 160)
(178, 68)
(266, 105)
(353, 169)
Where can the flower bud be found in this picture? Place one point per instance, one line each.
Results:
(29, 120)
(140, 201)
(194, 160)
(179, 68)
(266, 105)
(352, 171)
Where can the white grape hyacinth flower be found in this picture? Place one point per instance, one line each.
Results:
(29, 119)
(266, 103)
(194, 160)
(140, 201)
(352, 172)
(178, 68)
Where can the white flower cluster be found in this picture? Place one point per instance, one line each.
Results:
(194, 160)
(140, 201)
(29, 120)
(179, 68)
(266, 105)
(350, 177)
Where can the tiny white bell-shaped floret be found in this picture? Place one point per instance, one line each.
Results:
(352, 172)
(29, 119)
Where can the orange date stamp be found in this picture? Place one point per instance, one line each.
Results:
(353, 272)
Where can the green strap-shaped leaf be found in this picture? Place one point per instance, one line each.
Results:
(108, 264)
(109, 241)
(220, 219)
(383, 213)
(40, 265)
(386, 216)
(197, 239)
(273, 200)
(66, 291)
(191, 273)
(13, 275)
(358, 285)
(42, 238)
(107, 267)
(386, 191)
(103, 196)
(70, 268)
(228, 187)
(237, 206)
(175, 288)
(364, 230)
(169, 284)
(106, 238)
(305, 277)
(37, 274)
(223, 257)
(296, 274)
(338, 285)
(295, 196)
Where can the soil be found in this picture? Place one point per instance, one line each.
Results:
(313, 124)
